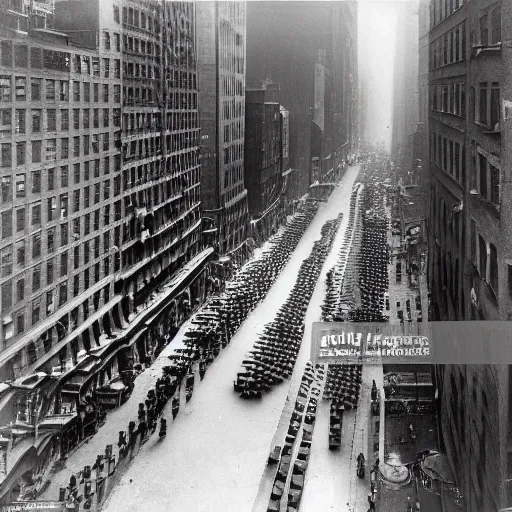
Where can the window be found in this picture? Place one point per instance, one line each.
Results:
(76, 173)
(20, 219)
(106, 68)
(76, 146)
(63, 293)
(36, 182)
(64, 148)
(96, 92)
(5, 88)
(50, 237)
(105, 93)
(63, 90)
(106, 40)
(51, 179)
(20, 185)
(117, 68)
(483, 257)
(64, 120)
(50, 90)
(64, 176)
(6, 189)
(49, 272)
(483, 175)
(105, 117)
(20, 289)
(20, 88)
(36, 245)
(63, 206)
(7, 224)
(76, 201)
(76, 257)
(36, 121)
(495, 107)
(86, 197)
(117, 93)
(495, 185)
(36, 308)
(96, 193)
(76, 91)
(20, 153)
(51, 208)
(51, 149)
(36, 87)
(36, 151)
(496, 26)
(64, 264)
(86, 118)
(96, 118)
(19, 120)
(6, 261)
(20, 253)
(86, 144)
(5, 122)
(96, 66)
(6, 296)
(64, 234)
(493, 253)
(6, 155)
(20, 323)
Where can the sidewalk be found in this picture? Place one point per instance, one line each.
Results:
(117, 420)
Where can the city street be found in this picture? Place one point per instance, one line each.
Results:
(216, 450)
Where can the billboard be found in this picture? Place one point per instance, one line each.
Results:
(473, 342)
(41, 506)
(371, 342)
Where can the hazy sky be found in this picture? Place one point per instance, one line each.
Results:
(377, 30)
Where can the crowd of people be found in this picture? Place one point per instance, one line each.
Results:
(275, 352)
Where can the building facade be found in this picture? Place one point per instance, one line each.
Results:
(101, 250)
(298, 45)
(221, 39)
(263, 153)
(469, 239)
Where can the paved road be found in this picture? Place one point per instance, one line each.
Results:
(213, 456)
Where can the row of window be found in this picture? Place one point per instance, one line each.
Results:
(441, 9)
(49, 120)
(55, 90)
(44, 305)
(449, 155)
(138, 19)
(140, 47)
(81, 172)
(83, 225)
(17, 55)
(449, 48)
(233, 109)
(449, 98)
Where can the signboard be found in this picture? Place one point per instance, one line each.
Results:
(380, 343)
(33, 505)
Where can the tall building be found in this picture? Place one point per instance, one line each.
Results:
(221, 28)
(405, 90)
(100, 243)
(263, 153)
(310, 49)
(469, 236)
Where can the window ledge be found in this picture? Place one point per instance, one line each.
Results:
(485, 48)
(487, 204)
(488, 130)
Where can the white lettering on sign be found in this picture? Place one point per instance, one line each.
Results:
(348, 343)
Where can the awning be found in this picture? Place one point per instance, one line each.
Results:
(56, 422)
